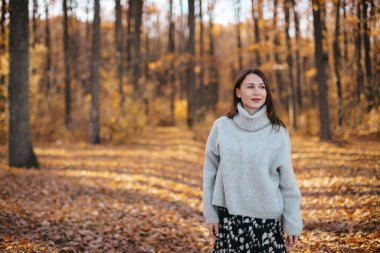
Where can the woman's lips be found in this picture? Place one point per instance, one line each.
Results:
(256, 100)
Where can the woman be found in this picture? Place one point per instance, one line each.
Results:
(250, 193)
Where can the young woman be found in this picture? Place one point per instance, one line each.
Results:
(250, 193)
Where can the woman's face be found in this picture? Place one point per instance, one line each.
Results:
(252, 93)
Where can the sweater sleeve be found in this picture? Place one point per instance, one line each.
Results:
(211, 163)
(290, 191)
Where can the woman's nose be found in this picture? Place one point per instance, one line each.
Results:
(256, 90)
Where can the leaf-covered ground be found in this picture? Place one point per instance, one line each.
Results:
(147, 196)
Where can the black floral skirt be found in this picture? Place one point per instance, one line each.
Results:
(246, 234)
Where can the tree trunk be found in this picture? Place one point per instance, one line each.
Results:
(213, 71)
(376, 74)
(48, 72)
(146, 62)
(201, 96)
(298, 57)
(277, 56)
(182, 47)
(87, 50)
(337, 63)
(20, 143)
(255, 17)
(171, 49)
(134, 43)
(67, 61)
(34, 18)
(190, 69)
(95, 124)
(289, 58)
(367, 58)
(345, 33)
(74, 41)
(238, 36)
(358, 48)
(129, 34)
(323, 15)
(3, 99)
(325, 133)
(119, 51)
(137, 44)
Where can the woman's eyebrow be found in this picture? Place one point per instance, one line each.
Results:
(257, 84)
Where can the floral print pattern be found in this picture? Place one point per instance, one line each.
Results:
(246, 234)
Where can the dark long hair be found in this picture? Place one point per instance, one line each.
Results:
(271, 110)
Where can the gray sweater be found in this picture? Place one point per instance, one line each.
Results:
(248, 169)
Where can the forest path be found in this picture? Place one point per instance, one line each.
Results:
(147, 196)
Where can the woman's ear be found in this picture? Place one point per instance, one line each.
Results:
(237, 91)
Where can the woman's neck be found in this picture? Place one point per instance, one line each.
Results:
(251, 122)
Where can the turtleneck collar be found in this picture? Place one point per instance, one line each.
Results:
(253, 122)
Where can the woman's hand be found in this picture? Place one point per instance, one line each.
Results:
(291, 240)
(213, 229)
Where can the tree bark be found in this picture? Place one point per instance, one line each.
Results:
(325, 133)
(376, 74)
(277, 56)
(147, 60)
(337, 63)
(190, 69)
(213, 71)
(95, 124)
(289, 58)
(34, 18)
(129, 33)
(2, 74)
(119, 51)
(134, 43)
(367, 58)
(298, 57)
(323, 15)
(358, 48)
(74, 41)
(256, 19)
(238, 36)
(345, 32)
(182, 47)
(67, 62)
(20, 143)
(201, 96)
(48, 72)
(171, 49)
(87, 51)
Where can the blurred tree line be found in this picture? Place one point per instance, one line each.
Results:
(102, 79)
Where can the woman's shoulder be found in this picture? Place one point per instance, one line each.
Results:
(222, 120)
(280, 131)
(283, 130)
(284, 134)
(219, 123)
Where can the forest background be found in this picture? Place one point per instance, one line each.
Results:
(152, 63)
(146, 80)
